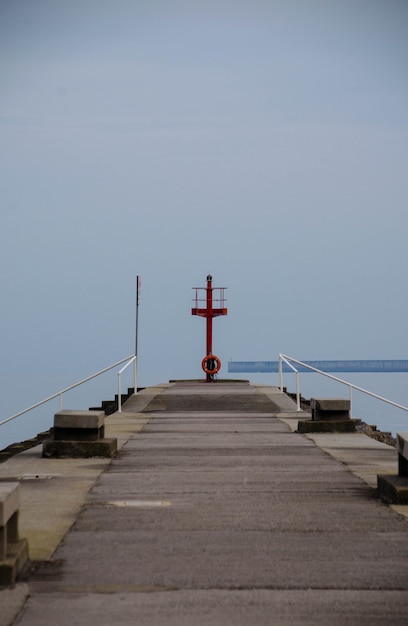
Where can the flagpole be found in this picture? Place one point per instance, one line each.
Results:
(138, 283)
(135, 364)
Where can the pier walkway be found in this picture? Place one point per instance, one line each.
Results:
(214, 512)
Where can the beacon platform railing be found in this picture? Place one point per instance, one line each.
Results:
(288, 360)
(130, 359)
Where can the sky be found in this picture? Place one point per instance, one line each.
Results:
(263, 142)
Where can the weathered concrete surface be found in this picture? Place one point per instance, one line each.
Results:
(52, 491)
(218, 516)
(11, 601)
(214, 607)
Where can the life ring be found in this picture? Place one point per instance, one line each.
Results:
(211, 364)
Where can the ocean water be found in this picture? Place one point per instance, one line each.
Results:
(391, 386)
(387, 418)
(20, 396)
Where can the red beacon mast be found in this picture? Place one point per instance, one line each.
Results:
(211, 364)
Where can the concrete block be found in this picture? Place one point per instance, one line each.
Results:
(79, 419)
(330, 408)
(9, 501)
(13, 551)
(327, 426)
(64, 449)
(72, 425)
(79, 434)
(393, 488)
(402, 448)
(14, 564)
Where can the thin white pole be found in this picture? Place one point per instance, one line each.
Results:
(297, 392)
(135, 375)
(280, 374)
(138, 286)
(119, 392)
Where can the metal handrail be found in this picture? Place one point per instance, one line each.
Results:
(134, 361)
(61, 393)
(282, 358)
(351, 386)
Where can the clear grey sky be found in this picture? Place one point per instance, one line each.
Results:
(264, 142)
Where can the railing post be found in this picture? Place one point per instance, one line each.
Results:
(135, 375)
(280, 373)
(60, 401)
(297, 392)
(351, 400)
(119, 392)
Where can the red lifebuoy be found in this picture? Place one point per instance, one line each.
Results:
(211, 364)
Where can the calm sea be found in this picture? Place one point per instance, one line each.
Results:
(392, 386)
(385, 417)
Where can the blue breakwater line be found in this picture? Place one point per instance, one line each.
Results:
(360, 366)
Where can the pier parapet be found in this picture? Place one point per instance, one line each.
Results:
(328, 415)
(13, 550)
(79, 434)
(393, 488)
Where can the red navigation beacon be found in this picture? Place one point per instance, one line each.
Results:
(211, 364)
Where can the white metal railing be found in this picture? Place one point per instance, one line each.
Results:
(134, 361)
(81, 382)
(285, 358)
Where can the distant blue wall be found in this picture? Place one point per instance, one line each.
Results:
(326, 366)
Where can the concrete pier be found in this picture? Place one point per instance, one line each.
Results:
(214, 511)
